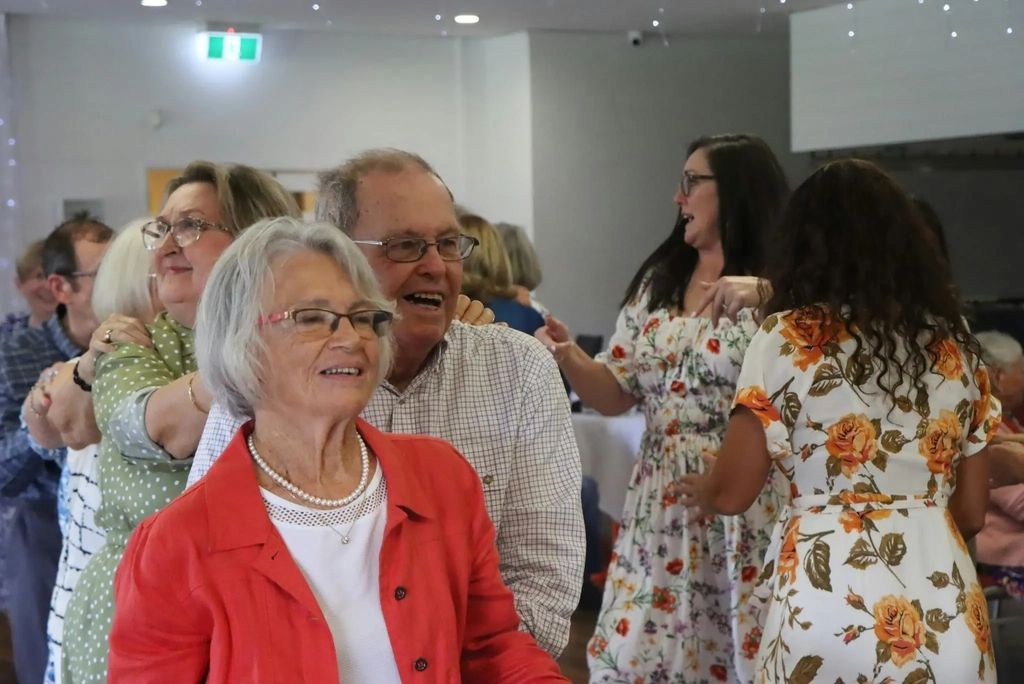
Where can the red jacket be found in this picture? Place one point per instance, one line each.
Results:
(207, 590)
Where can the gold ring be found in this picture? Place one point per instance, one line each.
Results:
(106, 337)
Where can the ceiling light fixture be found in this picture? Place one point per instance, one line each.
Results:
(656, 23)
(154, 3)
(316, 8)
(467, 19)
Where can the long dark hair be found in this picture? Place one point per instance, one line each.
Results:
(852, 247)
(752, 189)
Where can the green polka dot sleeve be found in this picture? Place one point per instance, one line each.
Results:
(127, 377)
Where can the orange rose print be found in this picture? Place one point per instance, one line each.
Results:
(618, 352)
(955, 531)
(623, 627)
(941, 444)
(977, 618)
(947, 359)
(751, 643)
(983, 404)
(853, 440)
(898, 624)
(755, 399)
(852, 521)
(809, 332)
(714, 346)
(674, 566)
(663, 600)
(789, 562)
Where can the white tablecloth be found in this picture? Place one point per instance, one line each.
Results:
(608, 452)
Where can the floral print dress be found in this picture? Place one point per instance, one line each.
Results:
(676, 606)
(868, 579)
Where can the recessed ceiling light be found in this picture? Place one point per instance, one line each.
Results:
(154, 3)
(467, 19)
(656, 23)
(437, 17)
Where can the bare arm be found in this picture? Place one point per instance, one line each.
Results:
(740, 470)
(593, 381)
(173, 421)
(969, 501)
(72, 414)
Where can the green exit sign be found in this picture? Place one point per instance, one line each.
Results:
(231, 47)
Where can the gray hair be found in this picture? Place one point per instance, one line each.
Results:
(525, 264)
(122, 282)
(336, 201)
(229, 348)
(999, 350)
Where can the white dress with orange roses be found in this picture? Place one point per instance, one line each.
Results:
(676, 606)
(868, 579)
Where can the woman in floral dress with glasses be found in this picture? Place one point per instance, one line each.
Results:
(866, 388)
(675, 605)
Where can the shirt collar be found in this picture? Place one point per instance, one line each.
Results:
(55, 331)
(430, 367)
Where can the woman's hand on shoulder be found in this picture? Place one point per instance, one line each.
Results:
(117, 329)
(472, 312)
(729, 295)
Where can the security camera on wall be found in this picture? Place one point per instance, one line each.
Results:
(635, 38)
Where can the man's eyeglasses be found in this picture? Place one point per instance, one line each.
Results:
(322, 323)
(409, 249)
(184, 231)
(691, 180)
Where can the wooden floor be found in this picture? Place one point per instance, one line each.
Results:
(574, 660)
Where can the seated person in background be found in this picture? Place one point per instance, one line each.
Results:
(487, 276)
(1001, 541)
(526, 273)
(317, 549)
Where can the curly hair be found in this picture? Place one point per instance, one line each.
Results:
(852, 246)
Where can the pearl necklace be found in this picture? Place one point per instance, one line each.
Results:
(316, 500)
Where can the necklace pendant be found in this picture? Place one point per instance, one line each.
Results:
(344, 539)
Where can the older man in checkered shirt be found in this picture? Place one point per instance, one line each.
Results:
(494, 393)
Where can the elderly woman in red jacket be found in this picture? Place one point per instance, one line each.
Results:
(317, 549)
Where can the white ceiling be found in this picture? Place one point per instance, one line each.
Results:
(677, 17)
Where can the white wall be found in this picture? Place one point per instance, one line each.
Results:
(903, 77)
(497, 145)
(611, 125)
(84, 90)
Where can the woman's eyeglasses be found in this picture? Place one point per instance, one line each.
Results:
(692, 180)
(410, 249)
(184, 231)
(321, 323)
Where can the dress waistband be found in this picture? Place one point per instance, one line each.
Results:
(854, 501)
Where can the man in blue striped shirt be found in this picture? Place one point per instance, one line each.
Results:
(71, 255)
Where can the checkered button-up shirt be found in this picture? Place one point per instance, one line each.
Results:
(496, 395)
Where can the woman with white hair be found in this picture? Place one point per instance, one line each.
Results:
(316, 549)
(123, 286)
(1000, 544)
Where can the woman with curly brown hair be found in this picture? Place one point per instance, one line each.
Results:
(866, 389)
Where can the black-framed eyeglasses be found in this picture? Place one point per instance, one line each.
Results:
(79, 274)
(185, 231)
(322, 323)
(409, 249)
(691, 180)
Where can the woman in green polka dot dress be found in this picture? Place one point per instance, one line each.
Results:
(150, 405)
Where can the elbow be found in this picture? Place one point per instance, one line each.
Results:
(970, 523)
(723, 502)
